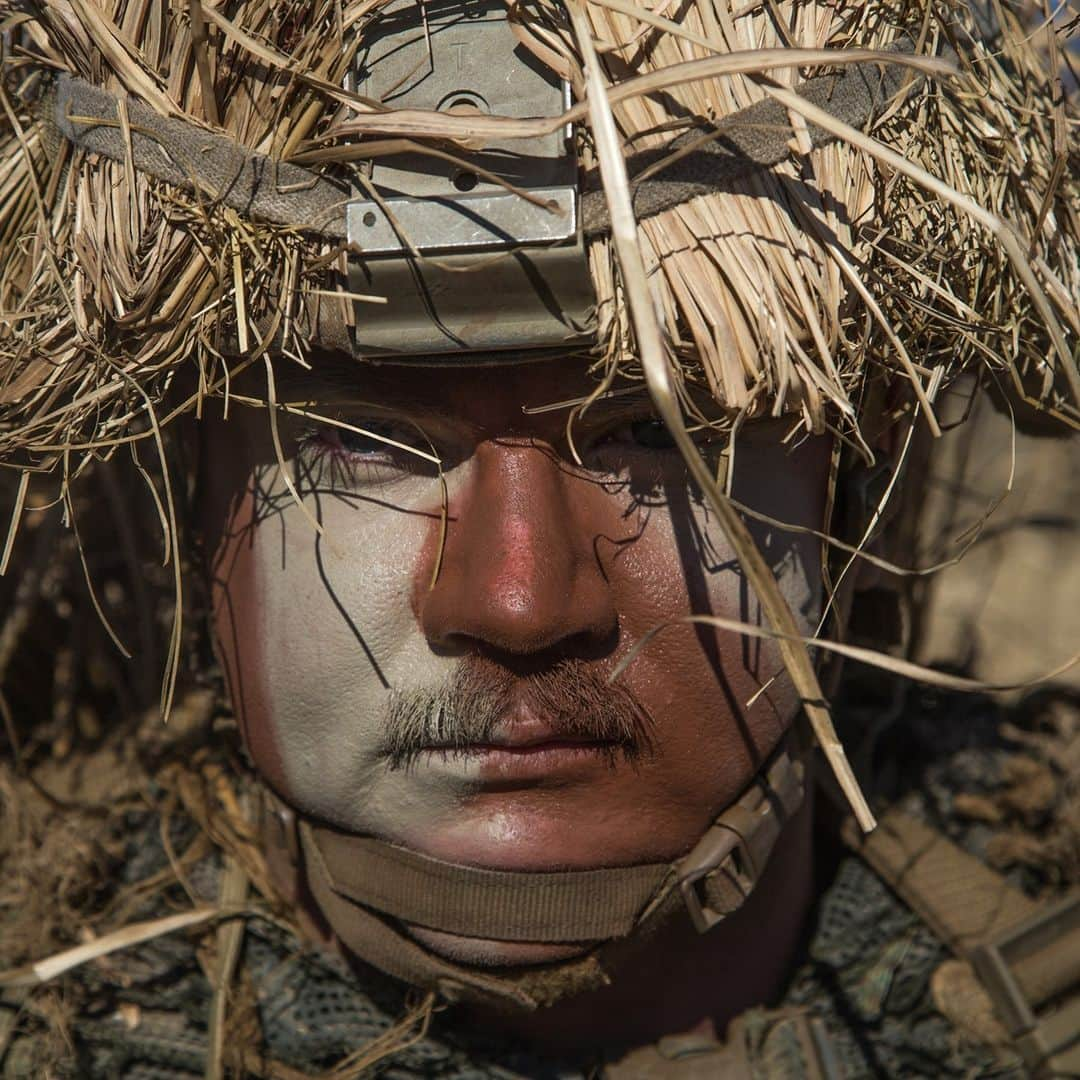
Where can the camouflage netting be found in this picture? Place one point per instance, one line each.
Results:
(785, 289)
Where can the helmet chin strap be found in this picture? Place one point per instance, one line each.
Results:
(367, 889)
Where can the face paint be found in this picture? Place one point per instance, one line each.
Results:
(451, 692)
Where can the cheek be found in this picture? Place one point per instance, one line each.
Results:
(313, 631)
(237, 609)
(698, 682)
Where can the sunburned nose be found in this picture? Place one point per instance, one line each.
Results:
(519, 571)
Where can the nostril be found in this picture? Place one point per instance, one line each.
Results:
(517, 627)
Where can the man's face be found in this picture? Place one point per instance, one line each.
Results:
(433, 667)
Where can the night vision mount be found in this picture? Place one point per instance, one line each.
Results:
(466, 265)
(469, 267)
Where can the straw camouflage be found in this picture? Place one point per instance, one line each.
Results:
(945, 239)
(860, 248)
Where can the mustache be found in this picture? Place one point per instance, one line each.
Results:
(574, 699)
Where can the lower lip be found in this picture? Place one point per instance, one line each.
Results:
(492, 764)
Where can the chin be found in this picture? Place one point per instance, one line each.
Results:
(613, 823)
(481, 952)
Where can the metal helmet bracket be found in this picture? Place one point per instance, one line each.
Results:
(466, 263)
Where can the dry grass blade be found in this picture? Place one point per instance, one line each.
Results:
(872, 657)
(409, 1030)
(230, 938)
(275, 437)
(16, 517)
(202, 61)
(44, 970)
(89, 579)
(657, 374)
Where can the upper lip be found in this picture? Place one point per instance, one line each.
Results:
(520, 730)
(523, 732)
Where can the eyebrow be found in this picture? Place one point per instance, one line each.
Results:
(346, 383)
(627, 401)
(323, 379)
(610, 400)
(340, 383)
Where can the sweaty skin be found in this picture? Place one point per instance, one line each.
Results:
(544, 562)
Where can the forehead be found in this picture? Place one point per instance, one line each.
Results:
(524, 396)
(450, 383)
(515, 385)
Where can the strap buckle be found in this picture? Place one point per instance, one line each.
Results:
(724, 866)
(1048, 1039)
(719, 844)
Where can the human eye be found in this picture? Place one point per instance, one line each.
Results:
(648, 437)
(645, 433)
(366, 450)
(639, 449)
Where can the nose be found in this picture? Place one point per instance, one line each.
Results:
(519, 571)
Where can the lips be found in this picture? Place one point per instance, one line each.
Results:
(529, 732)
(525, 748)
(562, 761)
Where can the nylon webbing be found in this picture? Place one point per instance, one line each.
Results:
(963, 901)
(378, 943)
(184, 154)
(188, 156)
(754, 138)
(586, 905)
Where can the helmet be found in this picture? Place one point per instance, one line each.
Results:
(797, 209)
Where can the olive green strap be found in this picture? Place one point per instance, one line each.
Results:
(1026, 954)
(383, 944)
(586, 905)
(217, 167)
(184, 154)
(705, 159)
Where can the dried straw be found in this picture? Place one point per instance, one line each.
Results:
(44, 970)
(784, 291)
